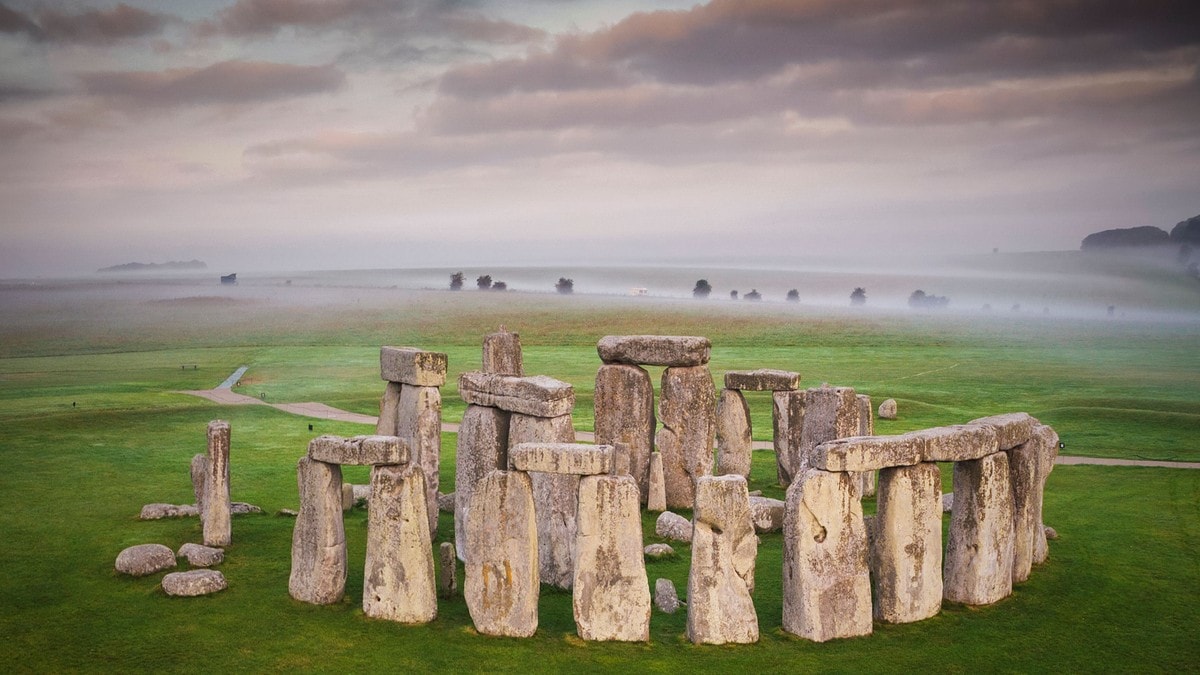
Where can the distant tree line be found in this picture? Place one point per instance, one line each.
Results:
(921, 300)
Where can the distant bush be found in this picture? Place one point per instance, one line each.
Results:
(920, 300)
(565, 286)
(1123, 237)
(793, 295)
(702, 289)
(753, 295)
(859, 296)
(456, 281)
(733, 295)
(484, 282)
(1187, 231)
(499, 286)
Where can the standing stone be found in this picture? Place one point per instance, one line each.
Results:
(979, 550)
(409, 365)
(656, 496)
(611, 592)
(687, 409)
(200, 484)
(906, 546)
(419, 418)
(829, 413)
(624, 413)
(666, 598)
(724, 548)
(398, 581)
(389, 405)
(447, 580)
(216, 521)
(734, 442)
(555, 496)
(826, 582)
(319, 538)
(1041, 549)
(887, 409)
(866, 427)
(482, 448)
(501, 582)
(502, 354)
(347, 497)
(788, 421)
(1025, 465)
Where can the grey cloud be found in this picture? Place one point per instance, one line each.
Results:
(227, 82)
(14, 22)
(100, 26)
(250, 17)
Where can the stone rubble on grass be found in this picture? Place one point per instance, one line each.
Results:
(767, 513)
(666, 599)
(445, 502)
(291, 513)
(193, 582)
(657, 551)
(242, 508)
(199, 555)
(158, 511)
(448, 563)
(673, 526)
(947, 502)
(887, 409)
(1051, 533)
(144, 559)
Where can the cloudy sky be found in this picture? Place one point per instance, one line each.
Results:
(324, 134)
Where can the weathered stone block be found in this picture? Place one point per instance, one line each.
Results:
(1041, 549)
(576, 459)
(656, 495)
(887, 409)
(867, 453)
(398, 579)
(979, 549)
(193, 582)
(144, 559)
(419, 420)
(657, 551)
(501, 583)
(389, 405)
(215, 515)
(502, 354)
(199, 474)
(866, 419)
(673, 526)
(409, 365)
(826, 582)
(555, 496)
(611, 596)
(724, 549)
(829, 413)
(766, 513)
(666, 598)
(734, 442)
(906, 544)
(319, 539)
(359, 450)
(1012, 429)
(788, 422)
(624, 410)
(763, 379)
(448, 563)
(673, 351)
(958, 443)
(687, 409)
(482, 448)
(201, 556)
(540, 396)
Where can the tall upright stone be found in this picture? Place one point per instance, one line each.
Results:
(318, 573)
(501, 582)
(218, 528)
(398, 582)
(829, 413)
(624, 413)
(555, 497)
(724, 549)
(866, 427)
(611, 593)
(419, 418)
(1026, 462)
(906, 544)
(1041, 549)
(788, 421)
(979, 549)
(502, 353)
(389, 406)
(656, 499)
(734, 443)
(482, 448)
(687, 409)
(826, 582)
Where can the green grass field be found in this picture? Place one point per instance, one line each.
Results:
(93, 430)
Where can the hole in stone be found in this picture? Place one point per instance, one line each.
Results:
(819, 536)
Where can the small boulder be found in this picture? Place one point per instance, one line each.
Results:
(145, 559)
(201, 556)
(887, 409)
(767, 514)
(1051, 533)
(948, 502)
(159, 511)
(291, 513)
(657, 551)
(673, 526)
(666, 599)
(445, 502)
(242, 508)
(193, 583)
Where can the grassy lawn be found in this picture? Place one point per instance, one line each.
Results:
(1118, 593)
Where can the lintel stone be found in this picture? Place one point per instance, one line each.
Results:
(1012, 429)
(655, 350)
(763, 379)
(956, 443)
(538, 396)
(577, 459)
(868, 453)
(409, 365)
(361, 450)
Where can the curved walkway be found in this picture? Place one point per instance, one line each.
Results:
(225, 396)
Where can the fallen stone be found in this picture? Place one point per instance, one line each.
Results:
(979, 548)
(611, 596)
(787, 420)
(767, 514)
(242, 508)
(143, 559)
(655, 350)
(502, 354)
(160, 511)
(215, 508)
(291, 513)
(906, 544)
(656, 495)
(826, 581)
(867, 453)
(763, 379)
(419, 420)
(1051, 533)
(957, 443)
(482, 448)
(409, 365)
(721, 579)
(887, 409)
(673, 526)
(445, 502)
(389, 405)
(359, 450)
(398, 578)
(947, 502)
(577, 459)
(624, 413)
(193, 582)
(687, 410)
(447, 566)
(201, 556)
(1012, 429)
(658, 551)
(734, 443)
(539, 395)
(555, 497)
(666, 598)
(501, 582)
(318, 573)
